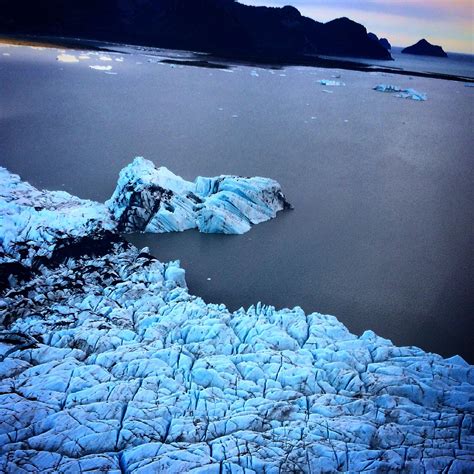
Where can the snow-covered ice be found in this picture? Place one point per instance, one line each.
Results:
(154, 199)
(401, 93)
(108, 364)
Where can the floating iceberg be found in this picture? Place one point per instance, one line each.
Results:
(101, 68)
(67, 58)
(401, 93)
(108, 364)
(153, 199)
(330, 82)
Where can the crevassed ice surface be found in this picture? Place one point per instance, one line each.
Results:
(107, 363)
(153, 199)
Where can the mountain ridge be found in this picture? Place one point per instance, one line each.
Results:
(223, 27)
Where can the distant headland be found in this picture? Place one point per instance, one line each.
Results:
(425, 48)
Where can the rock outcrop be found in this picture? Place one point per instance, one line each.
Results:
(108, 364)
(424, 48)
(150, 199)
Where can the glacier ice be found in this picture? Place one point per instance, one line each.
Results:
(108, 364)
(153, 199)
(401, 93)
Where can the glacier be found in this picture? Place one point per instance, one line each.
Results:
(109, 364)
(330, 82)
(151, 199)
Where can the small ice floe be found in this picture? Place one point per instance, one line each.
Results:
(105, 58)
(314, 118)
(282, 75)
(110, 73)
(6, 54)
(101, 68)
(234, 116)
(209, 279)
(336, 76)
(327, 91)
(401, 93)
(83, 57)
(468, 84)
(254, 74)
(346, 121)
(330, 82)
(221, 108)
(119, 60)
(67, 58)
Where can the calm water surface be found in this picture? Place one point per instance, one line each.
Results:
(382, 231)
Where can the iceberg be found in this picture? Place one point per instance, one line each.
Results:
(151, 199)
(330, 82)
(109, 364)
(401, 93)
(67, 58)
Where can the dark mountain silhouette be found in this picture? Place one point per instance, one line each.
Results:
(382, 41)
(424, 48)
(222, 27)
(385, 43)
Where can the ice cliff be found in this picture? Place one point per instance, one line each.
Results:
(153, 199)
(108, 364)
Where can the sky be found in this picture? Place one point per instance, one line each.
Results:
(448, 23)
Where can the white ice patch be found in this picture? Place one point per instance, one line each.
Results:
(101, 68)
(67, 58)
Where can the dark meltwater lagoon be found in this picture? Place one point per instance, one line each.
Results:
(382, 232)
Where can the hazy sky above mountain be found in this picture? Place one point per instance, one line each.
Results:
(445, 22)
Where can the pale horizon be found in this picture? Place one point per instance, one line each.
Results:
(402, 22)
